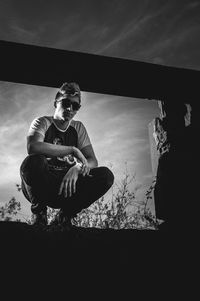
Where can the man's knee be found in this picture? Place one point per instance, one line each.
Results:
(33, 161)
(108, 176)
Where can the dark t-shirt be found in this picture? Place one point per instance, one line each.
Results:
(74, 135)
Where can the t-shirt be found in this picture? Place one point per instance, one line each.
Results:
(74, 135)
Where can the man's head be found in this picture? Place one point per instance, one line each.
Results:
(68, 89)
(67, 101)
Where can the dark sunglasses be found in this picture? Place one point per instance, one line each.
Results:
(66, 103)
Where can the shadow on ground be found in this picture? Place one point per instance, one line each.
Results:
(83, 258)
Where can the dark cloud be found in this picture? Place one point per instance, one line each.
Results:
(164, 32)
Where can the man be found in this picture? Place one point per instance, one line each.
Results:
(61, 169)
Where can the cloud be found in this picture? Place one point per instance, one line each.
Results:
(25, 35)
(20, 104)
(73, 32)
(131, 29)
(139, 31)
(171, 41)
(192, 5)
(12, 151)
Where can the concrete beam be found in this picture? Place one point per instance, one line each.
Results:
(50, 67)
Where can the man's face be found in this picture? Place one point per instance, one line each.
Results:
(67, 108)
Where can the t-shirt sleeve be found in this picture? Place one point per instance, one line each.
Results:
(83, 138)
(38, 125)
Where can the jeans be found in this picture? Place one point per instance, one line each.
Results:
(40, 186)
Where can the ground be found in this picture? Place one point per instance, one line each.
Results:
(89, 262)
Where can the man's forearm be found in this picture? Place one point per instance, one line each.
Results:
(49, 149)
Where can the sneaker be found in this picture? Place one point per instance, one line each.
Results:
(39, 219)
(61, 222)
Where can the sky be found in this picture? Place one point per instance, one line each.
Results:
(161, 32)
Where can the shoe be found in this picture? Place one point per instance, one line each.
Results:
(61, 222)
(40, 219)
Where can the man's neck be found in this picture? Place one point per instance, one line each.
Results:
(61, 124)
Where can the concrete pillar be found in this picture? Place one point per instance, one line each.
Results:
(174, 192)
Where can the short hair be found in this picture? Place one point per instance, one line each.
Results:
(68, 89)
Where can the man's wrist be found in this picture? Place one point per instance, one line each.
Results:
(79, 166)
(73, 150)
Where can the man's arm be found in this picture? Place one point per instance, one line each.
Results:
(36, 145)
(89, 154)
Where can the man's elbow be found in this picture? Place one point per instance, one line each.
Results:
(31, 148)
(92, 162)
(96, 162)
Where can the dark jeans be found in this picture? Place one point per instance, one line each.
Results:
(40, 186)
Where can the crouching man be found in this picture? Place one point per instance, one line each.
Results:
(61, 169)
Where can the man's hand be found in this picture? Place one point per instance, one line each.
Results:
(85, 170)
(68, 185)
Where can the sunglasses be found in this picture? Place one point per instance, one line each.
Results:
(66, 103)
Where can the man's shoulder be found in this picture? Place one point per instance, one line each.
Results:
(43, 119)
(41, 122)
(83, 138)
(76, 124)
(49, 118)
